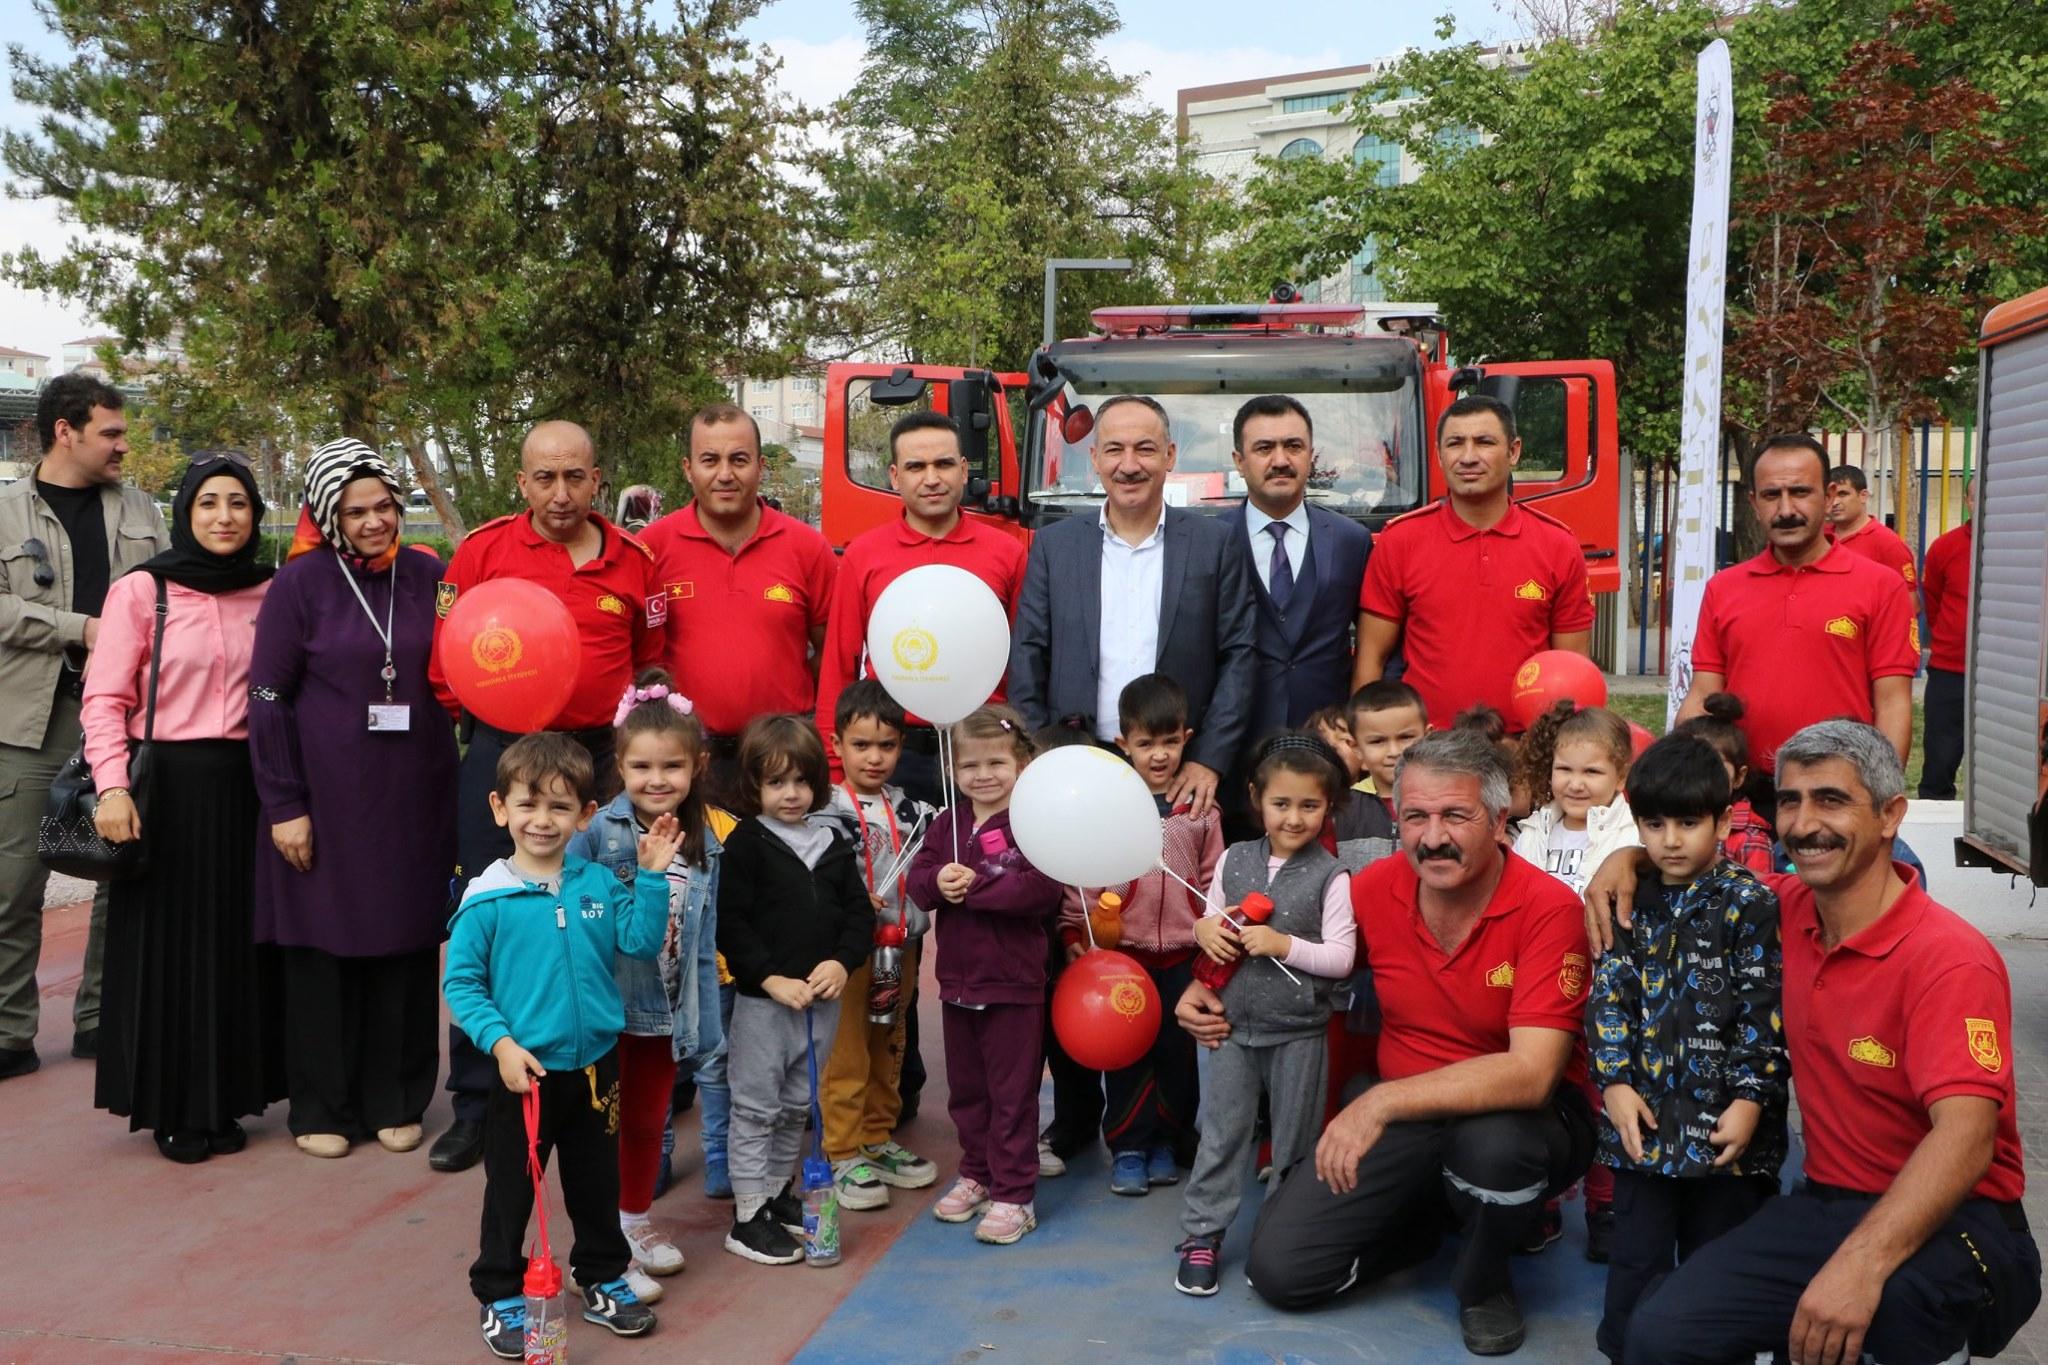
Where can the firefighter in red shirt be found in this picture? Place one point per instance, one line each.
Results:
(1945, 591)
(929, 474)
(1852, 527)
(1469, 588)
(1906, 1239)
(607, 580)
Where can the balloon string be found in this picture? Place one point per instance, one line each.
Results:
(1087, 920)
(950, 781)
(1204, 897)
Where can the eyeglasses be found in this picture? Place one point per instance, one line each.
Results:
(40, 553)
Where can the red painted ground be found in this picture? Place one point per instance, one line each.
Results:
(112, 1254)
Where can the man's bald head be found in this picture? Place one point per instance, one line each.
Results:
(558, 479)
(559, 440)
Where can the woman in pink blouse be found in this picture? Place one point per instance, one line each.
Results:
(189, 1032)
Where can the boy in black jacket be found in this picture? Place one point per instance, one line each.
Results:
(793, 920)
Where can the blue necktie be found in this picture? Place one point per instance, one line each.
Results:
(1280, 582)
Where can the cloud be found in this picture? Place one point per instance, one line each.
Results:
(1167, 71)
(32, 321)
(817, 73)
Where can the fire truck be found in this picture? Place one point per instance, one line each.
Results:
(1374, 379)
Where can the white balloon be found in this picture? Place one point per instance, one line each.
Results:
(939, 640)
(1083, 816)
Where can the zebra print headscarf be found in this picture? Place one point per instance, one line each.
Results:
(331, 469)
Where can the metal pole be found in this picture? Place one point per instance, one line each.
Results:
(1920, 539)
(1944, 477)
(1055, 264)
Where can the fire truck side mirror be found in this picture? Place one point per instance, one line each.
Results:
(969, 401)
(1505, 387)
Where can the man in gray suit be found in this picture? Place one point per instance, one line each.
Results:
(1139, 588)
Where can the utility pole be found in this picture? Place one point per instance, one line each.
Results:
(1055, 264)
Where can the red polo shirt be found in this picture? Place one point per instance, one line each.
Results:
(615, 600)
(1524, 965)
(1945, 591)
(739, 625)
(875, 559)
(1473, 605)
(1881, 545)
(1920, 1009)
(1800, 645)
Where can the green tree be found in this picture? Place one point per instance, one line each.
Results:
(982, 137)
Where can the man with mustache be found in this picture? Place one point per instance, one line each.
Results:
(1468, 588)
(1309, 562)
(1808, 629)
(1479, 959)
(1906, 1239)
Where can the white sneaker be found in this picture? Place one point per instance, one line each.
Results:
(1049, 1163)
(652, 1250)
(644, 1289)
(860, 1188)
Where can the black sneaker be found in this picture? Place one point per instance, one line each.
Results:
(1547, 1230)
(787, 1209)
(1197, 1273)
(1599, 1233)
(763, 1240)
(615, 1307)
(504, 1327)
(1493, 1326)
(86, 1043)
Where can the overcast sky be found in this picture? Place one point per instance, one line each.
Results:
(1175, 43)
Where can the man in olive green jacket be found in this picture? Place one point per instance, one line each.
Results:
(66, 532)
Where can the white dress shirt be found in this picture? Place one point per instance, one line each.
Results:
(1296, 537)
(1133, 577)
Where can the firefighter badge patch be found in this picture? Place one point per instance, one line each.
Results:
(1984, 1051)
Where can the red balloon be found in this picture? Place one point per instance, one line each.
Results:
(1547, 678)
(1639, 739)
(509, 650)
(1105, 1010)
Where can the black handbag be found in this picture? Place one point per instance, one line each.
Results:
(67, 840)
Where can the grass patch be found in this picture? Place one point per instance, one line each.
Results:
(1648, 712)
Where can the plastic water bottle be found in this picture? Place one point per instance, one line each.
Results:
(821, 1213)
(885, 975)
(547, 1313)
(1256, 908)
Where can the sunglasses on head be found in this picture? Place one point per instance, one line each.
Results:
(45, 575)
(210, 457)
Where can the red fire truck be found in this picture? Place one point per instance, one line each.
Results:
(1374, 378)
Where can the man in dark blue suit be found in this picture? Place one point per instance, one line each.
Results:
(1309, 564)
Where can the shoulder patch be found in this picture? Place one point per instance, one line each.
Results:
(1983, 1036)
(444, 598)
(1571, 977)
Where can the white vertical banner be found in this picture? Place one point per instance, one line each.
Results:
(1706, 289)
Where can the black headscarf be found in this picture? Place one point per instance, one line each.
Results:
(187, 563)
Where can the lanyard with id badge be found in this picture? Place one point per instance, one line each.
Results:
(392, 717)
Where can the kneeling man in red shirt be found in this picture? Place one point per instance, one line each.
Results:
(1481, 967)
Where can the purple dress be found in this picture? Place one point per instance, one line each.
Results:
(383, 804)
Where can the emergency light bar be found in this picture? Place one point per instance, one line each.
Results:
(1130, 320)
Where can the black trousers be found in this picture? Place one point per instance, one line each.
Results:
(479, 842)
(1151, 1103)
(1076, 1090)
(1974, 1283)
(1944, 738)
(579, 1122)
(1485, 1176)
(1659, 1222)
(361, 1039)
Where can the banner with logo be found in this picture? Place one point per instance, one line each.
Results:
(1706, 288)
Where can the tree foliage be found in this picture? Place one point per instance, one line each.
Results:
(983, 137)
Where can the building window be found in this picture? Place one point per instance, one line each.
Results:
(805, 383)
(804, 413)
(1366, 285)
(762, 412)
(1313, 104)
(1301, 147)
(1456, 139)
(1372, 150)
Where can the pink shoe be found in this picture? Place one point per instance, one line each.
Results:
(1005, 1223)
(961, 1203)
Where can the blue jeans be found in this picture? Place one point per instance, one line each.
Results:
(714, 1096)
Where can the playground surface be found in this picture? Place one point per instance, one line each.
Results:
(113, 1255)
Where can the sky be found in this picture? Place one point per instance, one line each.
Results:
(1173, 43)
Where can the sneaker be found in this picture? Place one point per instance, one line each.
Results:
(763, 1241)
(894, 1164)
(656, 1254)
(664, 1174)
(1005, 1223)
(1493, 1326)
(717, 1181)
(960, 1203)
(1127, 1174)
(788, 1210)
(1599, 1232)
(1197, 1273)
(1049, 1163)
(1160, 1168)
(614, 1307)
(644, 1287)
(86, 1043)
(504, 1327)
(860, 1185)
(1547, 1231)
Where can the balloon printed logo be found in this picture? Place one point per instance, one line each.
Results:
(1528, 674)
(1127, 998)
(914, 649)
(496, 649)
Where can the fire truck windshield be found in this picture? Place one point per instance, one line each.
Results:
(1363, 395)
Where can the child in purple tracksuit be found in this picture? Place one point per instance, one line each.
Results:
(993, 914)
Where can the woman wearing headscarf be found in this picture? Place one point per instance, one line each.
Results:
(355, 765)
(189, 1022)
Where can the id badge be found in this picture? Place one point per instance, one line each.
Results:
(390, 719)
